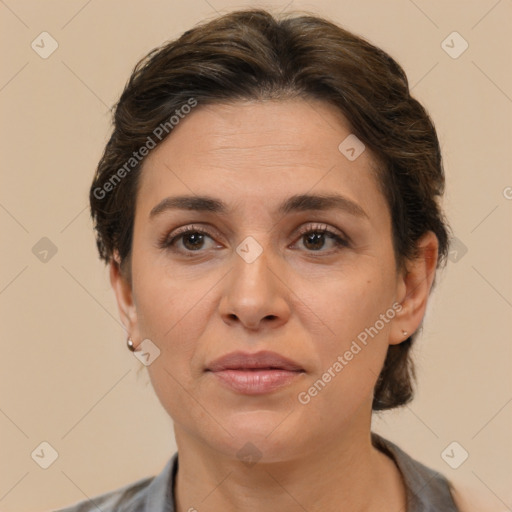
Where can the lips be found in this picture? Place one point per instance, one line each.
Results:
(255, 374)
(264, 360)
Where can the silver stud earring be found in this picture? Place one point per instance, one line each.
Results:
(404, 333)
(129, 343)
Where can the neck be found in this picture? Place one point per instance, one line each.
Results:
(345, 474)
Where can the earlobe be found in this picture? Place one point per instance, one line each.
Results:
(414, 289)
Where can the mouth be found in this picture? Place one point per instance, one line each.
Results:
(264, 360)
(255, 374)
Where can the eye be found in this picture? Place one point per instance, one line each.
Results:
(315, 236)
(190, 238)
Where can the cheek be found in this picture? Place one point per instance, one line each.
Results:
(352, 300)
(166, 299)
(173, 319)
(357, 312)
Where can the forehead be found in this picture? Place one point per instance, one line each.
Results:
(259, 151)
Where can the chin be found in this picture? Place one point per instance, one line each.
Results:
(259, 434)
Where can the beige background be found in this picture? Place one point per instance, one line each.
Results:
(66, 376)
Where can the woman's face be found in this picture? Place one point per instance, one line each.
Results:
(255, 282)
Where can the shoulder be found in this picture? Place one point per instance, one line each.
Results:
(129, 498)
(427, 490)
(144, 495)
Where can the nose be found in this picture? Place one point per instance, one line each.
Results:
(254, 296)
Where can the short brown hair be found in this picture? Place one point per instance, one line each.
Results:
(254, 55)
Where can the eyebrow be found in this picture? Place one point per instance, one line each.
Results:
(296, 203)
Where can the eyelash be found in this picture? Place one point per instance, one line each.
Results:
(167, 242)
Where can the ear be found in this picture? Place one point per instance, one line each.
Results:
(414, 285)
(123, 291)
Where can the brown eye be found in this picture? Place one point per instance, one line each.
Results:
(193, 240)
(315, 238)
(186, 240)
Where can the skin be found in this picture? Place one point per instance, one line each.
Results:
(306, 304)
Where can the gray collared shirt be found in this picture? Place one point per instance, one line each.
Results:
(427, 490)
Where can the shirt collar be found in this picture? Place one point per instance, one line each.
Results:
(418, 481)
(160, 492)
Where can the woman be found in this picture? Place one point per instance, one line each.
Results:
(268, 205)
